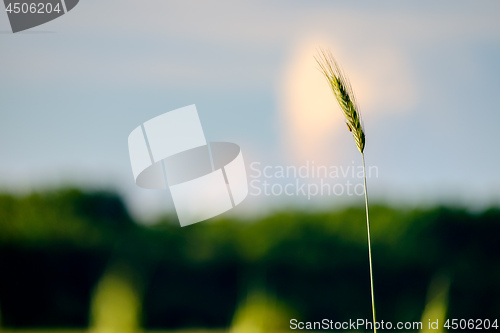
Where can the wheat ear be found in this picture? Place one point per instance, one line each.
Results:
(344, 94)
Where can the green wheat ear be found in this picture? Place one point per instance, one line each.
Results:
(344, 94)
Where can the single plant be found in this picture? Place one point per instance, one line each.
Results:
(344, 94)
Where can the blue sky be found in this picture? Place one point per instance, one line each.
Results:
(426, 75)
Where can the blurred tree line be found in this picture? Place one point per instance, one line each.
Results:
(56, 246)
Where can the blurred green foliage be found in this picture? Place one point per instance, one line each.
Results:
(116, 302)
(56, 247)
(260, 312)
(437, 304)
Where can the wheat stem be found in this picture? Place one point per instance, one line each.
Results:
(343, 92)
(369, 243)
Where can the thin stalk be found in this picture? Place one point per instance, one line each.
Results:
(369, 244)
(342, 90)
